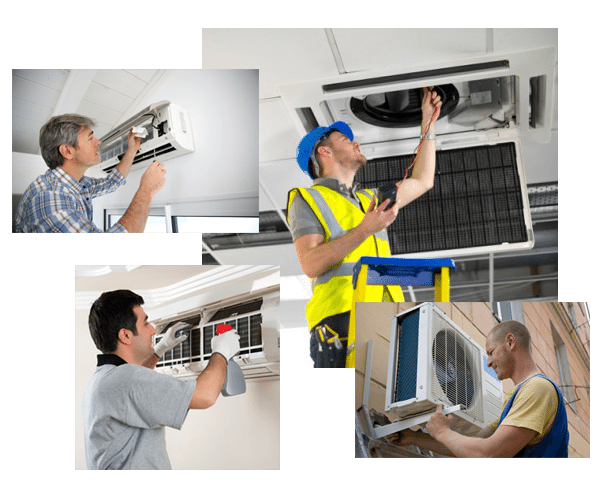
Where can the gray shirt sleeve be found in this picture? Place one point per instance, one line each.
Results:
(303, 220)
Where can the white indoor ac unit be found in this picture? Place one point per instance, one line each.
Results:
(432, 361)
(479, 203)
(168, 135)
(256, 319)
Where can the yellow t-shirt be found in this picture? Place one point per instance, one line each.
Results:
(534, 407)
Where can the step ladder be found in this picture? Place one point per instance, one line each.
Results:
(392, 271)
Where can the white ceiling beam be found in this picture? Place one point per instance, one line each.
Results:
(73, 91)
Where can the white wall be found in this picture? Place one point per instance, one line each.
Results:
(221, 176)
(26, 168)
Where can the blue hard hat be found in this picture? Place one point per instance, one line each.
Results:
(309, 141)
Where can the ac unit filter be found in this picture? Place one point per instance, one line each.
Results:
(256, 321)
(479, 203)
(432, 361)
(168, 134)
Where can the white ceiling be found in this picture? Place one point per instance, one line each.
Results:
(106, 95)
(94, 278)
(286, 56)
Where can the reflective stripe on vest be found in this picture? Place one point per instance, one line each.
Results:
(556, 442)
(332, 290)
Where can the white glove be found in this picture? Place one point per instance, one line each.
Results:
(169, 340)
(227, 344)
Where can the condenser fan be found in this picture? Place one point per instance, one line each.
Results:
(453, 367)
(400, 108)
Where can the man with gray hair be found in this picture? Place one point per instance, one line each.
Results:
(60, 200)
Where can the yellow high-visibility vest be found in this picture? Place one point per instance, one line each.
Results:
(332, 290)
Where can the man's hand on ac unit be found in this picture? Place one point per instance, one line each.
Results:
(133, 142)
(169, 340)
(227, 344)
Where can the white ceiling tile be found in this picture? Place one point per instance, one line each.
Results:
(368, 49)
(30, 110)
(282, 55)
(143, 74)
(99, 113)
(52, 78)
(277, 178)
(277, 131)
(120, 81)
(108, 98)
(29, 91)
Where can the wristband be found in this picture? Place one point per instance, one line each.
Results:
(428, 137)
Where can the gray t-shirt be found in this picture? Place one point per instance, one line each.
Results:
(303, 220)
(125, 411)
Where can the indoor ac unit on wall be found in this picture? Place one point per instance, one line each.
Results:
(256, 319)
(432, 361)
(479, 203)
(168, 134)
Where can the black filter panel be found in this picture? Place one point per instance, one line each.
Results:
(476, 200)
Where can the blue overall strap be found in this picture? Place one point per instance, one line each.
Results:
(556, 442)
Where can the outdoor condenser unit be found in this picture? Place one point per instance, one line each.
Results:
(168, 135)
(256, 320)
(432, 361)
(479, 202)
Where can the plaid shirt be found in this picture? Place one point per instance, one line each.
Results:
(57, 203)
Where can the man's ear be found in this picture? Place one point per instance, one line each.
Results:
(511, 340)
(125, 336)
(67, 151)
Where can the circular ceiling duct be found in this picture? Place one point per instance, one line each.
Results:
(400, 108)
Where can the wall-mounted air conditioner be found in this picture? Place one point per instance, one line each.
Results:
(432, 361)
(168, 135)
(254, 316)
(479, 203)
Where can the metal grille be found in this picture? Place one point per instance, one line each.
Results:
(197, 347)
(455, 367)
(476, 200)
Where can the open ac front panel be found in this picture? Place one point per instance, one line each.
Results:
(432, 361)
(257, 323)
(479, 203)
(169, 134)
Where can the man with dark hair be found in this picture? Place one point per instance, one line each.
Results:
(334, 223)
(533, 422)
(60, 200)
(126, 404)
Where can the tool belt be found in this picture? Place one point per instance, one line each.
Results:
(331, 347)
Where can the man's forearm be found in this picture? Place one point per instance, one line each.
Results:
(321, 258)
(463, 446)
(134, 219)
(124, 165)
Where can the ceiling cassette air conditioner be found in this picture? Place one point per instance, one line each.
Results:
(432, 361)
(168, 134)
(479, 203)
(256, 320)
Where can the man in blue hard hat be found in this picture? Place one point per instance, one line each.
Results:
(335, 223)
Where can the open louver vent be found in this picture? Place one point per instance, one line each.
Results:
(256, 322)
